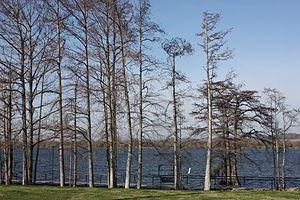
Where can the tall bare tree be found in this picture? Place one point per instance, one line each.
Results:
(174, 48)
(106, 45)
(7, 95)
(60, 98)
(275, 100)
(57, 18)
(213, 43)
(80, 12)
(146, 31)
(280, 121)
(122, 10)
(13, 18)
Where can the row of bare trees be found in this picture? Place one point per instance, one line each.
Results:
(75, 72)
(233, 114)
(97, 49)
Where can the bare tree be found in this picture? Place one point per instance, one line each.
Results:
(39, 132)
(174, 48)
(280, 121)
(106, 43)
(7, 95)
(213, 48)
(27, 41)
(60, 98)
(238, 114)
(80, 12)
(75, 146)
(122, 11)
(11, 13)
(290, 118)
(57, 18)
(146, 31)
(275, 100)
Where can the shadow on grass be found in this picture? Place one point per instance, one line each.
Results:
(160, 196)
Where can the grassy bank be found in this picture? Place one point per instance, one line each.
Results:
(54, 192)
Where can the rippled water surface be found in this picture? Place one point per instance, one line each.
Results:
(254, 163)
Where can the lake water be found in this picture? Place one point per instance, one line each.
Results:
(254, 163)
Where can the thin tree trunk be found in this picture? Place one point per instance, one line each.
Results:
(111, 120)
(283, 162)
(108, 109)
(274, 163)
(60, 104)
(237, 149)
(6, 149)
(75, 138)
(273, 150)
(114, 113)
(112, 138)
(110, 94)
(25, 177)
(127, 101)
(111, 145)
(70, 166)
(277, 163)
(90, 142)
(234, 170)
(140, 134)
(5, 132)
(177, 184)
(39, 132)
(2, 159)
(31, 109)
(227, 159)
(8, 143)
(88, 99)
(105, 110)
(207, 181)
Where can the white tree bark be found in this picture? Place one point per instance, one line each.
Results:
(177, 177)
(60, 103)
(207, 181)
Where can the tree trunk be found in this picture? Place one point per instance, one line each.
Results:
(60, 104)
(39, 132)
(108, 110)
(207, 181)
(105, 111)
(177, 182)
(234, 159)
(8, 143)
(90, 141)
(31, 108)
(111, 108)
(283, 162)
(277, 163)
(127, 101)
(114, 112)
(88, 100)
(227, 158)
(274, 154)
(112, 141)
(75, 138)
(70, 166)
(25, 178)
(140, 134)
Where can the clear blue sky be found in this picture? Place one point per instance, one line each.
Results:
(265, 39)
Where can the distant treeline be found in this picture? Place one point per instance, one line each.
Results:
(292, 141)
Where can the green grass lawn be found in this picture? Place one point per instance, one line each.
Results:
(55, 192)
